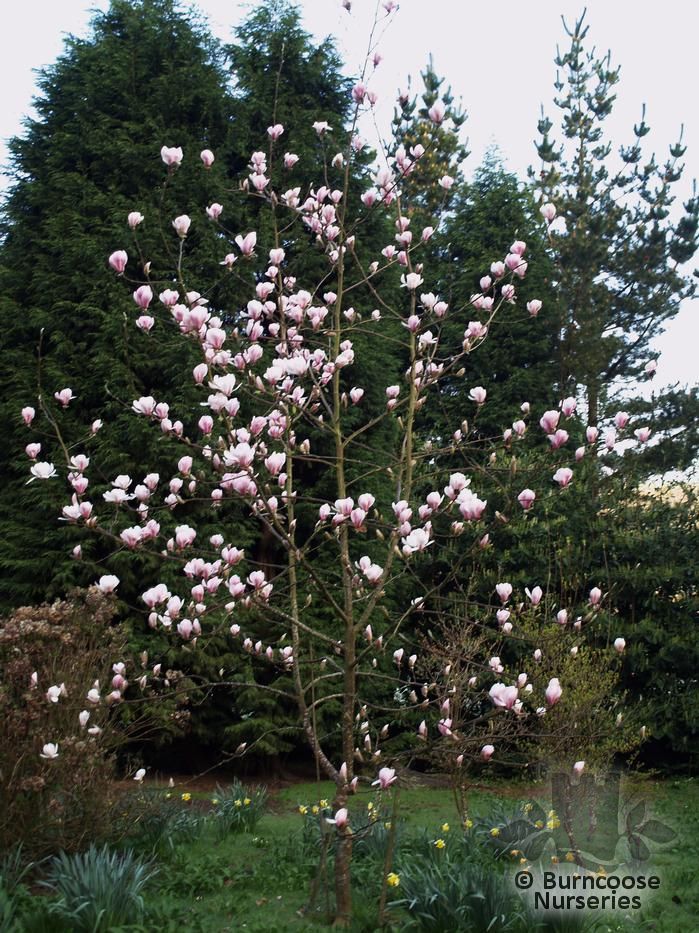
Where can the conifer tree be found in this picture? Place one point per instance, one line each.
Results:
(619, 251)
(148, 76)
(517, 359)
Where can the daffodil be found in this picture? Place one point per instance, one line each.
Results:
(570, 857)
(247, 801)
(303, 810)
(468, 824)
(186, 796)
(495, 831)
(445, 827)
(392, 879)
(439, 843)
(315, 809)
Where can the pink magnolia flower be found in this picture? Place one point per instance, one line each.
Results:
(563, 476)
(214, 211)
(143, 296)
(341, 818)
(181, 225)
(118, 261)
(437, 112)
(549, 421)
(619, 645)
(134, 219)
(558, 439)
(504, 591)
(207, 157)
(274, 132)
(411, 281)
(290, 159)
(579, 767)
(621, 419)
(28, 415)
(171, 155)
(145, 322)
(553, 691)
(184, 536)
(526, 498)
(64, 396)
(386, 777)
(321, 127)
(548, 212)
(246, 244)
(478, 395)
(534, 306)
(503, 696)
(32, 451)
(591, 434)
(487, 752)
(49, 751)
(595, 596)
(642, 434)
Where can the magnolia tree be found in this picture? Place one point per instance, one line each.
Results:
(281, 418)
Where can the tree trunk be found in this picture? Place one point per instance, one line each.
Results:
(343, 881)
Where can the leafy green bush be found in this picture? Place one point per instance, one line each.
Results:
(62, 803)
(98, 889)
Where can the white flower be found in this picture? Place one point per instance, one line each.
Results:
(108, 583)
(49, 751)
(42, 471)
(411, 281)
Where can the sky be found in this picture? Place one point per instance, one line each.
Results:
(498, 59)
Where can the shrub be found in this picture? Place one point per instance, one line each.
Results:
(54, 804)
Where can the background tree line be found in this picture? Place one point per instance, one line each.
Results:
(609, 273)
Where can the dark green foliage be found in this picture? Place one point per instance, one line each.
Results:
(99, 889)
(516, 363)
(618, 282)
(148, 76)
(444, 153)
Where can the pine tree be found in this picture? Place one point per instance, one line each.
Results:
(619, 250)
(431, 123)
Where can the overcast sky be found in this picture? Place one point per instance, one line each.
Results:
(498, 58)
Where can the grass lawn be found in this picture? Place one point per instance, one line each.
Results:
(211, 881)
(259, 881)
